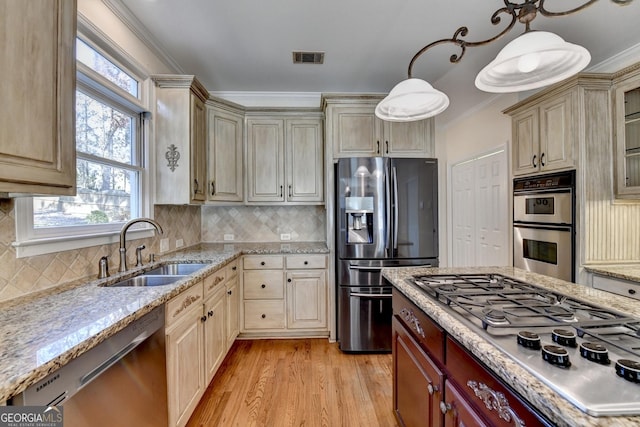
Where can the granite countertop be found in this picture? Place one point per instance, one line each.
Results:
(629, 272)
(42, 332)
(558, 410)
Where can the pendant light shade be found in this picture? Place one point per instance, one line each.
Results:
(533, 60)
(410, 100)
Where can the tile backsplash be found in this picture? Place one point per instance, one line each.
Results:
(264, 223)
(22, 276)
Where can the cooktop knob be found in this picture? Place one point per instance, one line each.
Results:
(556, 355)
(628, 369)
(595, 352)
(529, 340)
(564, 337)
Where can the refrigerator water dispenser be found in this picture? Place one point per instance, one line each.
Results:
(359, 211)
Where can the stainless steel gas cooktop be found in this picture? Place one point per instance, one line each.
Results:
(587, 353)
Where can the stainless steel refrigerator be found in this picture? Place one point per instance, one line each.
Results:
(386, 215)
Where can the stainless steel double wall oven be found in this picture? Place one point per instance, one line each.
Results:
(386, 216)
(544, 224)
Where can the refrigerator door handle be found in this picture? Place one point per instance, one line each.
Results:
(388, 214)
(366, 268)
(395, 212)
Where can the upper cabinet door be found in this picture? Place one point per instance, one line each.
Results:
(225, 156)
(525, 142)
(627, 136)
(37, 112)
(304, 160)
(356, 132)
(265, 160)
(411, 139)
(556, 132)
(198, 150)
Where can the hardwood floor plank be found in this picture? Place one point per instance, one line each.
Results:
(297, 382)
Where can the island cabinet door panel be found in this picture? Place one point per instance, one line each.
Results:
(457, 411)
(417, 382)
(485, 393)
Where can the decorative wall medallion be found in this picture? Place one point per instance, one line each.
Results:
(172, 157)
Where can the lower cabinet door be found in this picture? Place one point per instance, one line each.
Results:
(215, 333)
(185, 366)
(457, 411)
(417, 382)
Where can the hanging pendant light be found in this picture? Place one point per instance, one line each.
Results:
(410, 100)
(533, 60)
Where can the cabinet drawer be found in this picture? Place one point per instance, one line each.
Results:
(263, 284)
(305, 261)
(181, 304)
(232, 269)
(262, 262)
(264, 314)
(212, 281)
(617, 286)
(429, 335)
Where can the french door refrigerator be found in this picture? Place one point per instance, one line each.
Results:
(386, 216)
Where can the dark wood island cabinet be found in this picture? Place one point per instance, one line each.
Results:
(436, 382)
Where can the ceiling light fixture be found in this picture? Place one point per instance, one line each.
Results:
(534, 59)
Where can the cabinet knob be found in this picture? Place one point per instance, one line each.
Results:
(234, 268)
(263, 286)
(264, 316)
(289, 280)
(210, 313)
(444, 407)
(306, 263)
(203, 318)
(262, 263)
(432, 389)
(229, 292)
(632, 291)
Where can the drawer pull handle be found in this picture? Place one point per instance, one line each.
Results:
(632, 291)
(263, 286)
(444, 407)
(264, 316)
(412, 321)
(495, 400)
(432, 389)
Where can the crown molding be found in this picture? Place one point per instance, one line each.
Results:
(271, 99)
(140, 31)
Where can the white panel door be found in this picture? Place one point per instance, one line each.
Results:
(462, 209)
(492, 207)
(479, 212)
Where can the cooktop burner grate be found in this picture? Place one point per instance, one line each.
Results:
(497, 301)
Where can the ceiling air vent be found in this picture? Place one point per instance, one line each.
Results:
(308, 57)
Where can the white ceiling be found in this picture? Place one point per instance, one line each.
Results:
(246, 45)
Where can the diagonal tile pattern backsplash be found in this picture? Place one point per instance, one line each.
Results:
(21, 276)
(264, 223)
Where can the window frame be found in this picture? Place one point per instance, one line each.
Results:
(30, 241)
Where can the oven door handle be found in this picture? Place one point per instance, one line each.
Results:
(543, 226)
(370, 296)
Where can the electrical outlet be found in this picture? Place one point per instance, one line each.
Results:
(179, 243)
(285, 236)
(164, 245)
(228, 237)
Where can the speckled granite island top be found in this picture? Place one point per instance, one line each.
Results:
(541, 396)
(40, 333)
(620, 271)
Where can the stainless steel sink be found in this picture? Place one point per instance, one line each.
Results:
(178, 269)
(148, 281)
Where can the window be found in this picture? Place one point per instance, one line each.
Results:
(110, 169)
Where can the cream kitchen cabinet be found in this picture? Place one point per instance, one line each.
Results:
(627, 132)
(180, 128)
(37, 113)
(185, 354)
(225, 130)
(232, 303)
(615, 285)
(285, 159)
(544, 134)
(284, 296)
(353, 130)
(215, 332)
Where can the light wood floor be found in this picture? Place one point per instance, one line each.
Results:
(302, 382)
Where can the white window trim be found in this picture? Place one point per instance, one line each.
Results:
(26, 245)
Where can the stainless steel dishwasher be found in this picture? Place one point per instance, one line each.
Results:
(120, 382)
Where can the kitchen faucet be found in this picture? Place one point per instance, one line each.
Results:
(123, 241)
